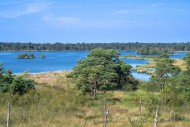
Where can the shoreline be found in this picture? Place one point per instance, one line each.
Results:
(46, 51)
(45, 72)
(63, 51)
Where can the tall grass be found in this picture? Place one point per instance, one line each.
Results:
(56, 103)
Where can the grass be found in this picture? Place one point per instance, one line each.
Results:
(56, 103)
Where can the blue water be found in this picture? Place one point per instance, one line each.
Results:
(140, 76)
(134, 62)
(54, 61)
(178, 55)
(59, 61)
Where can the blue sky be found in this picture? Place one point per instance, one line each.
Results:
(71, 21)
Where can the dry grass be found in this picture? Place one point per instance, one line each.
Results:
(50, 78)
(180, 63)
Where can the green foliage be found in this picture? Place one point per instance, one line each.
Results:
(102, 69)
(164, 55)
(66, 106)
(21, 86)
(44, 105)
(152, 86)
(151, 49)
(164, 67)
(175, 94)
(181, 86)
(148, 51)
(15, 84)
(144, 48)
(31, 56)
(172, 98)
(187, 60)
(1, 71)
(163, 72)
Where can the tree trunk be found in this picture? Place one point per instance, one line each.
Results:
(94, 93)
(119, 83)
(174, 115)
(162, 84)
(94, 90)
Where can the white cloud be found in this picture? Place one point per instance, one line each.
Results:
(24, 9)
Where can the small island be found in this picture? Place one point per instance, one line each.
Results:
(29, 56)
(26, 56)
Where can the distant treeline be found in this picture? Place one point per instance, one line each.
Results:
(142, 48)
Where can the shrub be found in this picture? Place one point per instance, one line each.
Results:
(14, 84)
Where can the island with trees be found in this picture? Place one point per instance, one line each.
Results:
(29, 56)
(26, 56)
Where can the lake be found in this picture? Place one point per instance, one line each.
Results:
(60, 61)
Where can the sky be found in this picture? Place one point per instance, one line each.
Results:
(73, 21)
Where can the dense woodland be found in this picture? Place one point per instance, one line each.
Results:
(142, 48)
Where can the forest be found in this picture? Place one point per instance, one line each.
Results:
(141, 48)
